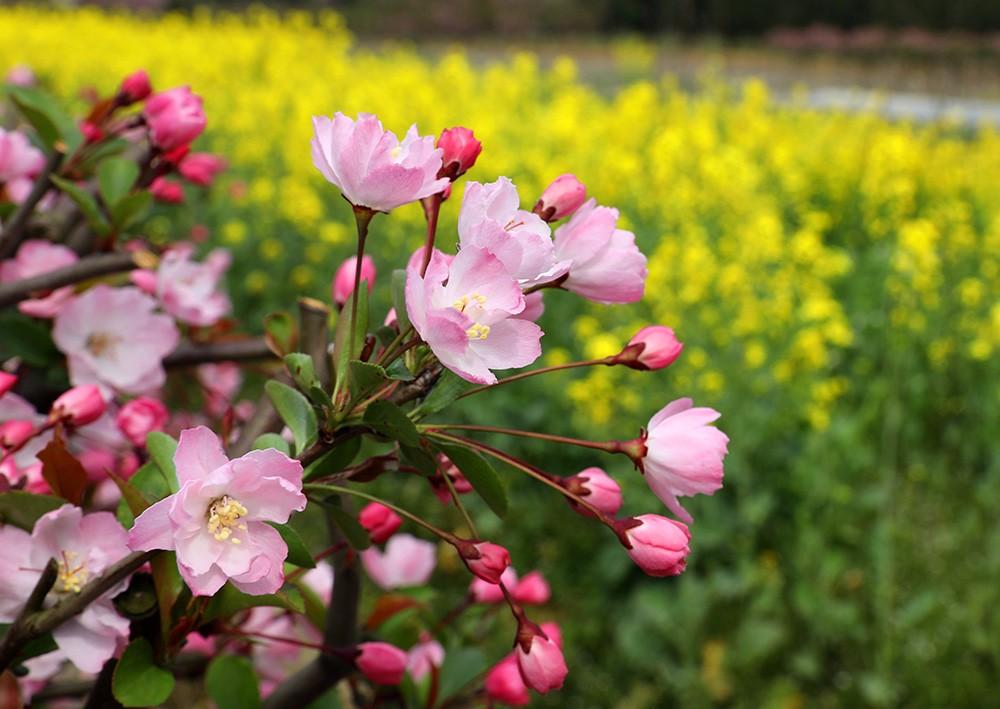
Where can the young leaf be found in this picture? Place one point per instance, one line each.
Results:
(298, 554)
(398, 370)
(448, 388)
(399, 299)
(481, 476)
(272, 440)
(231, 683)
(300, 366)
(115, 178)
(296, 411)
(86, 203)
(130, 209)
(335, 460)
(47, 117)
(138, 681)
(364, 377)
(65, 475)
(22, 509)
(389, 420)
(161, 449)
(229, 600)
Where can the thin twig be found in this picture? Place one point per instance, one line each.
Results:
(83, 270)
(13, 233)
(193, 353)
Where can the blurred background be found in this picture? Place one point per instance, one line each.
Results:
(817, 187)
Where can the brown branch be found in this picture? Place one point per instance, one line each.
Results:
(82, 270)
(188, 354)
(314, 336)
(12, 235)
(419, 387)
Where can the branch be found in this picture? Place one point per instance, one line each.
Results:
(11, 237)
(82, 270)
(419, 387)
(191, 353)
(314, 336)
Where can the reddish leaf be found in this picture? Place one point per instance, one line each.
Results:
(387, 606)
(62, 471)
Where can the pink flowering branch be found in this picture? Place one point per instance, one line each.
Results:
(83, 270)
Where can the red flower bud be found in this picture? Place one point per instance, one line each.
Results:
(532, 590)
(540, 660)
(91, 133)
(140, 416)
(343, 280)
(486, 560)
(79, 406)
(135, 87)
(167, 191)
(381, 663)
(201, 168)
(659, 545)
(459, 151)
(504, 684)
(7, 382)
(14, 433)
(561, 198)
(379, 521)
(175, 118)
(653, 347)
(598, 488)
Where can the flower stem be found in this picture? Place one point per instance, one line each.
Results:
(363, 217)
(606, 446)
(608, 361)
(431, 211)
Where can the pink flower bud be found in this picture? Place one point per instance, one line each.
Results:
(167, 191)
(381, 663)
(532, 590)
(554, 632)
(140, 416)
(541, 662)
(343, 281)
(598, 488)
(135, 87)
(561, 198)
(201, 168)
(79, 406)
(91, 132)
(14, 433)
(653, 347)
(175, 118)
(490, 593)
(659, 545)
(144, 279)
(459, 151)
(504, 684)
(379, 521)
(486, 560)
(424, 656)
(7, 382)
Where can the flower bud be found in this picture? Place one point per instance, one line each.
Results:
(504, 684)
(91, 132)
(144, 279)
(201, 168)
(540, 660)
(459, 151)
(379, 521)
(490, 593)
(659, 545)
(381, 663)
(7, 382)
(135, 87)
(79, 406)
(561, 198)
(175, 118)
(653, 347)
(423, 657)
(486, 560)
(140, 416)
(343, 281)
(167, 191)
(552, 629)
(532, 590)
(14, 433)
(598, 488)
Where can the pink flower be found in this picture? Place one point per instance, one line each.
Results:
(343, 281)
(464, 313)
(140, 416)
(369, 164)
(422, 657)
(190, 290)
(20, 75)
(653, 347)
(274, 659)
(406, 561)
(481, 591)
(561, 198)
(113, 338)
(220, 382)
(683, 454)
(534, 306)
(532, 590)
(217, 521)
(83, 547)
(201, 168)
(379, 521)
(175, 118)
(167, 191)
(20, 162)
(459, 151)
(540, 660)
(491, 219)
(35, 257)
(14, 433)
(607, 267)
(79, 406)
(504, 683)
(599, 489)
(486, 560)
(7, 382)
(135, 87)
(553, 631)
(381, 663)
(23, 465)
(659, 545)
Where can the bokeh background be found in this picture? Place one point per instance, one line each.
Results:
(817, 187)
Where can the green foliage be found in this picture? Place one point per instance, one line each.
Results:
(296, 411)
(138, 681)
(232, 683)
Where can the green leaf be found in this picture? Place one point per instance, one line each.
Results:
(47, 117)
(315, 607)
(230, 600)
(389, 420)
(272, 440)
(149, 483)
(169, 584)
(103, 150)
(448, 388)
(231, 683)
(87, 204)
(461, 666)
(279, 332)
(161, 449)
(138, 601)
(364, 377)
(129, 210)
(115, 178)
(300, 366)
(399, 371)
(352, 529)
(342, 349)
(22, 509)
(481, 476)
(298, 554)
(335, 460)
(420, 459)
(138, 681)
(296, 411)
(27, 339)
(399, 299)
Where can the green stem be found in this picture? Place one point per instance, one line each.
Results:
(606, 446)
(363, 217)
(608, 361)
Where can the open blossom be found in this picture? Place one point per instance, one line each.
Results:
(33, 258)
(343, 280)
(175, 118)
(491, 219)
(112, 338)
(504, 683)
(23, 465)
(683, 454)
(217, 520)
(190, 290)
(423, 656)
(659, 545)
(607, 266)
(406, 561)
(83, 547)
(20, 162)
(369, 164)
(140, 416)
(541, 661)
(465, 314)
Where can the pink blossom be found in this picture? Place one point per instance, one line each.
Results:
(534, 307)
(220, 382)
(459, 151)
(561, 198)
(381, 663)
(554, 632)
(79, 406)
(175, 118)
(504, 683)
(140, 416)
(659, 545)
(35, 257)
(406, 561)
(135, 87)
(607, 267)
(379, 521)
(481, 591)
(167, 191)
(683, 454)
(217, 521)
(540, 660)
(190, 290)
(599, 489)
(653, 347)
(20, 162)
(464, 313)
(41, 669)
(7, 382)
(486, 560)
(369, 164)
(83, 547)
(201, 168)
(144, 280)
(23, 465)
(422, 657)
(21, 75)
(113, 338)
(343, 281)
(14, 433)
(532, 590)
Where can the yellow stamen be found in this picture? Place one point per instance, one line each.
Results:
(224, 516)
(462, 302)
(70, 579)
(478, 332)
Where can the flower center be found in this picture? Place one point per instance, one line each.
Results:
(224, 515)
(99, 343)
(396, 152)
(478, 332)
(462, 303)
(71, 576)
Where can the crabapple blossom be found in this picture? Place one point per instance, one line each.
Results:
(653, 347)
(540, 660)
(33, 258)
(382, 663)
(561, 198)
(481, 591)
(14, 433)
(597, 488)
(459, 149)
(22, 465)
(167, 191)
(504, 683)
(422, 657)
(406, 561)
(532, 590)
(189, 290)
(343, 280)
(135, 87)
(175, 118)
(201, 168)
(217, 521)
(7, 382)
(140, 416)
(379, 521)
(659, 545)
(20, 162)
(220, 382)
(486, 560)
(79, 406)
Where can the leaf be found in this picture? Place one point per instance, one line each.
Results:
(272, 440)
(22, 509)
(296, 411)
(338, 458)
(387, 606)
(364, 377)
(399, 371)
(149, 482)
(138, 601)
(448, 388)
(481, 476)
(315, 608)
(419, 458)
(103, 150)
(86, 202)
(47, 117)
(300, 366)
(27, 339)
(169, 584)
(231, 683)
(399, 299)
(298, 554)
(133, 499)
(138, 681)
(230, 600)
(352, 529)
(461, 666)
(342, 349)
(65, 475)
(129, 210)
(115, 178)
(389, 420)
(161, 449)
(279, 333)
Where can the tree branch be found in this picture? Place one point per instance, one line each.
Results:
(419, 387)
(192, 353)
(314, 336)
(12, 235)
(82, 270)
